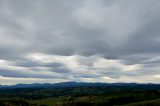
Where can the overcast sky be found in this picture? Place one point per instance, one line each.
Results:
(49, 41)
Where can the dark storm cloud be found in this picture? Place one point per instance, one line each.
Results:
(73, 35)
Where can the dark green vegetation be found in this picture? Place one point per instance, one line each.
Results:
(110, 95)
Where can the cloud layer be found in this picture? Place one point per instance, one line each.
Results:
(92, 41)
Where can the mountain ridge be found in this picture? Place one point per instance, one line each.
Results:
(72, 84)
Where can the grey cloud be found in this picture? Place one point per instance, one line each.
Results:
(29, 63)
(11, 73)
(122, 30)
(61, 70)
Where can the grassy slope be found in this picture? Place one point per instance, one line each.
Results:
(58, 101)
(155, 102)
(48, 101)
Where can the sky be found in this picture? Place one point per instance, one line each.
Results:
(51, 41)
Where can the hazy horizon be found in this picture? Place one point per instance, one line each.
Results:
(51, 41)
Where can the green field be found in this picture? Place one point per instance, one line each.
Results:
(80, 96)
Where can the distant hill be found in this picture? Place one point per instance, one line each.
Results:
(78, 84)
